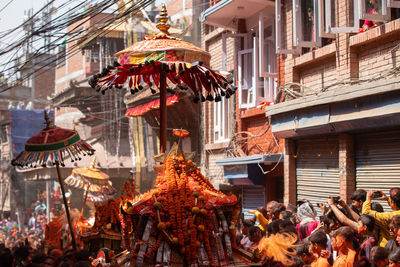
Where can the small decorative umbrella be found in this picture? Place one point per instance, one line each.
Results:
(95, 183)
(158, 58)
(53, 144)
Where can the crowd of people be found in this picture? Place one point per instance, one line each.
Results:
(360, 234)
(23, 255)
(32, 229)
(340, 235)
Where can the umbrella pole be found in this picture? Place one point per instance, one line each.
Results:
(84, 202)
(163, 111)
(66, 205)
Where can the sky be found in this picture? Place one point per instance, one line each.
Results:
(12, 14)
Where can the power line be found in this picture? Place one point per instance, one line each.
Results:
(73, 51)
(37, 53)
(4, 7)
(76, 33)
(69, 19)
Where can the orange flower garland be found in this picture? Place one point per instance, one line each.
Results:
(180, 133)
(182, 209)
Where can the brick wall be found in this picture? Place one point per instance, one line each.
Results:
(212, 42)
(175, 6)
(214, 172)
(44, 83)
(378, 57)
(261, 141)
(318, 76)
(75, 65)
(349, 56)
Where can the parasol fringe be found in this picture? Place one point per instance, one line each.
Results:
(196, 76)
(130, 82)
(34, 159)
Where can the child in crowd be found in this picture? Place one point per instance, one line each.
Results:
(379, 256)
(318, 241)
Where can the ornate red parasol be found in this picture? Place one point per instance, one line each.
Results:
(159, 59)
(52, 145)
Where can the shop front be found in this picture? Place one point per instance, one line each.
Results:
(257, 178)
(317, 168)
(337, 144)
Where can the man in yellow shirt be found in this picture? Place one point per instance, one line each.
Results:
(382, 219)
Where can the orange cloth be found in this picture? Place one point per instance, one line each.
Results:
(345, 260)
(320, 262)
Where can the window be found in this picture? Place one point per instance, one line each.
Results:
(280, 31)
(376, 10)
(305, 23)
(257, 67)
(329, 14)
(209, 28)
(367, 10)
(246, 78)
(92, 54)
(221, 120)
(266, 86)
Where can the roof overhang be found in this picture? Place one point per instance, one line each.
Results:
(253, 159)
(225, 13)
(75, 95)
(373, 105)
(337, 95)
(248, 170)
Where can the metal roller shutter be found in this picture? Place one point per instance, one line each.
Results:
(317, 169)
(253, 197)
(378, 162)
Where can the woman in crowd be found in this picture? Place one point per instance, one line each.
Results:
(308, 223)
(394, 227)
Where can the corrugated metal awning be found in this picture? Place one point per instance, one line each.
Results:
(253, 159)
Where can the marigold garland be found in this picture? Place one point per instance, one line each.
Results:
(181, 208)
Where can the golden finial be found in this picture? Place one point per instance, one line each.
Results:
(163, 25)
(47, 120)
(93, 164)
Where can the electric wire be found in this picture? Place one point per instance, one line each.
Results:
(4, 7)
(75, 48)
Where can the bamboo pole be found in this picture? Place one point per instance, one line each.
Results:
(84, 201)
(163, 111)
(66, 205)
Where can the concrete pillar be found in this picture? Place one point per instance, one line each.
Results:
(347, 170)
(289, 166)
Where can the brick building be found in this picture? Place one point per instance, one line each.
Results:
(98, 118)
(30, 91)
(339, 104)
(240, 152)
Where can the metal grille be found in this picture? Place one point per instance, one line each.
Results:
(253, 197)
(317, 169)
(378, 162)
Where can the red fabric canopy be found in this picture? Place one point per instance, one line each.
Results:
(154, 104)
